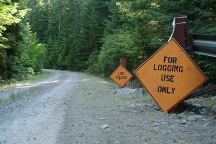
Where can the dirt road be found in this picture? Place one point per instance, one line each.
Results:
(72, 108)
(37, 117)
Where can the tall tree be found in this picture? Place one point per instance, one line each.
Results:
(94, 34)
(11, 13)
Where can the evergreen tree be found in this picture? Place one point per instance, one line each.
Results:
(94, 34)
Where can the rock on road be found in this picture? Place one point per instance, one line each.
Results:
(72, 108)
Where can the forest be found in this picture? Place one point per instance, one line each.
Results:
(92, 35)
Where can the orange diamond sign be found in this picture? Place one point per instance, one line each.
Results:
(170, 75)
(121, 76)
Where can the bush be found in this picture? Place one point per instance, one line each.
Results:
(33, 53)
(116, 46)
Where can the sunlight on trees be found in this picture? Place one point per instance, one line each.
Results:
(93, 34)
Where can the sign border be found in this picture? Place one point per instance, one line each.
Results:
(206, 78)
(131, 74)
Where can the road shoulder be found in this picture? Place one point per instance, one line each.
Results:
(97, 114)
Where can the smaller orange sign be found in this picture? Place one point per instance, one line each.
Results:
(121, 76)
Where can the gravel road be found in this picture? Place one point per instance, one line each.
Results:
(72, 108)
(37, 118)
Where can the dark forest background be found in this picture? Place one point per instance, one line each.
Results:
(92, 35)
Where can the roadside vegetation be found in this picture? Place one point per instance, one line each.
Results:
(28, 79)
(16, 96)
(20, 52)
(91, 35)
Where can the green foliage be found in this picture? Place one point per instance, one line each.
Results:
(10, 13)
(94, 34)
(93, 65)
(20, 52)
(115, 46)
(207, 64)
(72, 30)
(33, 53)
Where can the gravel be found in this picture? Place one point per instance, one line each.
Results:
(37, 118)
(123, 116)
(82, 109)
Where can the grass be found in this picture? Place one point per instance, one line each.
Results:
(28, 92)
(16, 96)
(28, 79)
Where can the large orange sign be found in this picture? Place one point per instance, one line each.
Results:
(121, 76)
(170, 75)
